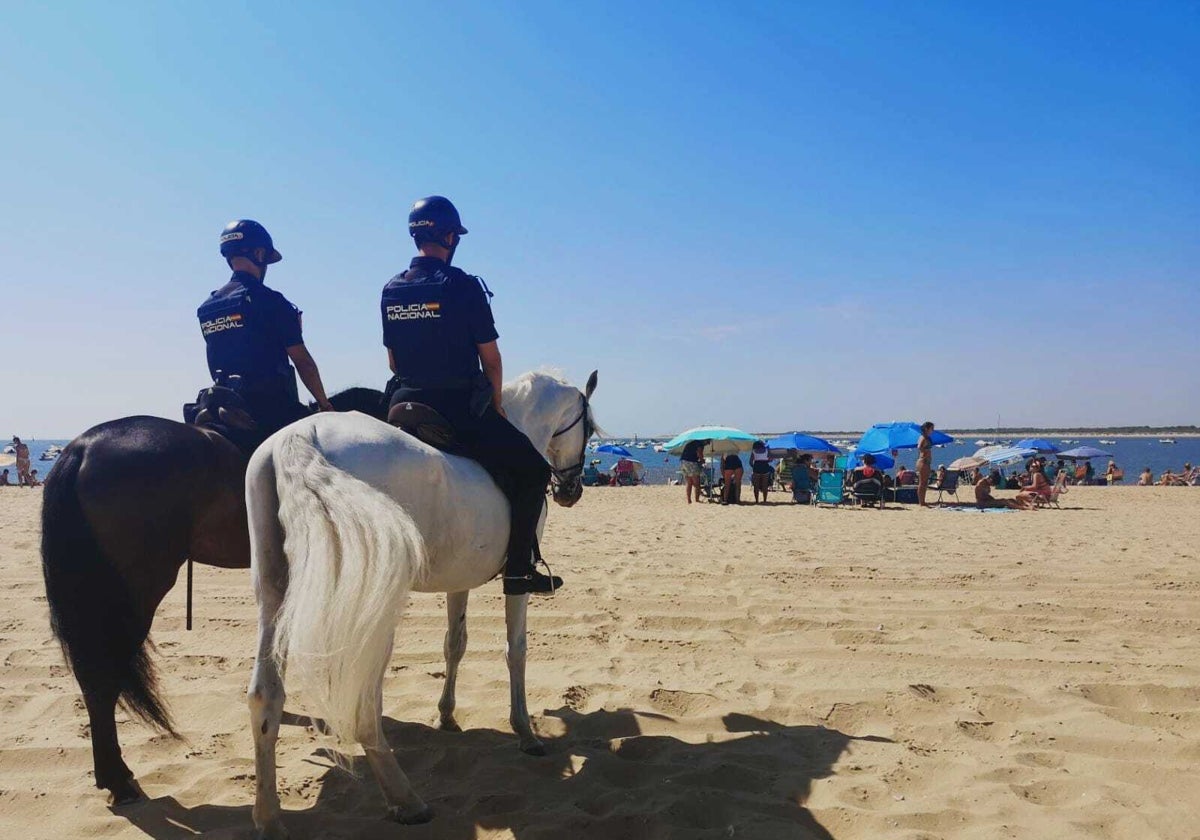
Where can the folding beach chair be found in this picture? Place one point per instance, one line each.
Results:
(948, 485)
(869, 491)
(830, 487)
(1050, 499)
(783, 475)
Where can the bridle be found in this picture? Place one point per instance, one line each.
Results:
(573, 473)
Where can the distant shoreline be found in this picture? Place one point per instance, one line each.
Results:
(971, 433)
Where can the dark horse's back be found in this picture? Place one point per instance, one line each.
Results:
(124, 506)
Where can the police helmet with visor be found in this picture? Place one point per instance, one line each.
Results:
(244, 237)
(433, 219)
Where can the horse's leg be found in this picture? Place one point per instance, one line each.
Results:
(266, 696)
(112, 773)
(269, 572)
(515, 610)
(404, 806)
(454, 647)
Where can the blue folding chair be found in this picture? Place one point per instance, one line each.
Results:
(830, 487)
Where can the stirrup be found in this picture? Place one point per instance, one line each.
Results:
(533, 583)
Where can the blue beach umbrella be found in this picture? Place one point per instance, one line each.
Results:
(724, 440)
(884, 437)
(615, 449)
(1083, 453)
(1036, 444)
(801, 443)
(882, 460)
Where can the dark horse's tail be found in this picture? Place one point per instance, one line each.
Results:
(91, 612)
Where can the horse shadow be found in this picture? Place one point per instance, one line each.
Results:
(602, 777)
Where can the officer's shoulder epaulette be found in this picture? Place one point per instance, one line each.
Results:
(479, 280)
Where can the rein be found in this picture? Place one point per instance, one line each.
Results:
(574, 472)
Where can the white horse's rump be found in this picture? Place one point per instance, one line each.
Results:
(347, 516)
(353, 555)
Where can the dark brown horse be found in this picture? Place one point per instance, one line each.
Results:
(127, 503)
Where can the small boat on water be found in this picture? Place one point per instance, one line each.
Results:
(1166, 440)
(52, 452)
(1107, 442)
(982, 442)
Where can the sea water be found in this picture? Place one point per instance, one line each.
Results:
(1132, 454)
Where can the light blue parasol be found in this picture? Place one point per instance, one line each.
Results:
(724, 440)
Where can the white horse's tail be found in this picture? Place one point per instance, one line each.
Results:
(353, 555)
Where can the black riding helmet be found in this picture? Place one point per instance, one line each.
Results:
(242, 237)
(432, 219)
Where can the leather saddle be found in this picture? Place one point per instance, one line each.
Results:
(424, 423)
(219, 406)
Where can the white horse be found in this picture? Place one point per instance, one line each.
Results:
(347, 515)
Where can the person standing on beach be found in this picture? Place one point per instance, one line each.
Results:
(442, 350)
(761, 471)
(691, 464)
(924, 461)
(22, 453)
(251, 331)
(732, 472)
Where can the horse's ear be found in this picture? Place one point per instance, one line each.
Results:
(591, 384)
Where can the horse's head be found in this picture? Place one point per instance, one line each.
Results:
(568, 445)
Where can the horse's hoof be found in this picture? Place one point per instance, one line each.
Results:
(273, 831)
(424, 815)
(128, 792)
(449, 725)
(537, 748)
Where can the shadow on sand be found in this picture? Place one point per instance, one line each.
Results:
(602, 778)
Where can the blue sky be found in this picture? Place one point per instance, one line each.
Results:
(767, 215)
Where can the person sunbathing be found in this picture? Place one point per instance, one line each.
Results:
(1169, 479)
(1146, 478)
(985, 499)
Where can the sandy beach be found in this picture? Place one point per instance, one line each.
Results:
(710, 672)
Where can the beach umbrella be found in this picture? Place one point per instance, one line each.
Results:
(802, 443)
(1037, 444)
(614, 449)
(967, 462)
(999, 456)
(1083, 453)
(724, 440)
(882, 460)
(884, 437)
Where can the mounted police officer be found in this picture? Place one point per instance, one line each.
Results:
(441, 343)
(251, 332)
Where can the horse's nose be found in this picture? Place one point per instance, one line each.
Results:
(566, 497)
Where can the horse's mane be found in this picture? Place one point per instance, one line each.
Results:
(523, 386)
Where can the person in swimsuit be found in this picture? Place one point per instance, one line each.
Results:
(691, 463)
(761, 470)
(22, 452)
(985, 499)
(732, 472)
(924, 461)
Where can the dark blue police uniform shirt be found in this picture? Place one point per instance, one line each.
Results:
(434, 316)
(247, 329)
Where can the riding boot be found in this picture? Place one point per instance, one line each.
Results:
(524, 578)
